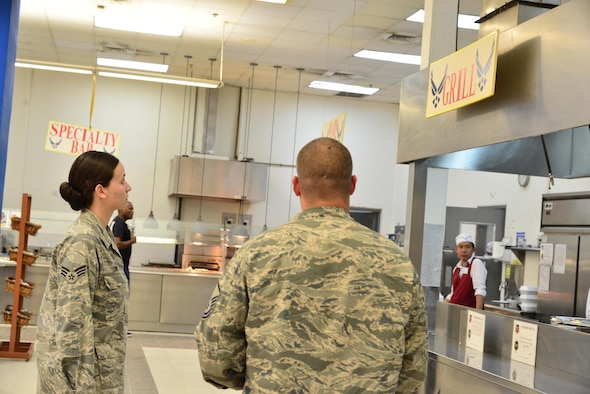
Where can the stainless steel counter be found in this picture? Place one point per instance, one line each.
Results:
(168, 299)
(561, 366)
(174, 272)
(503, 309)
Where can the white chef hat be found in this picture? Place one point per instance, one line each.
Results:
(463, 238)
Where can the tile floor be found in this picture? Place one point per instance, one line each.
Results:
(156, 363)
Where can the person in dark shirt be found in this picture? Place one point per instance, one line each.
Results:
(123, 235)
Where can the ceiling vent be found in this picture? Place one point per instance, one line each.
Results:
(122, 49)
(400, 37)
(353, 95)
(342, 77)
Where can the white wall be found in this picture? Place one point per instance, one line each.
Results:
(472, 189)
(131, 108)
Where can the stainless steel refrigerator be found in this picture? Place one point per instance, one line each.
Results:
(564, 270)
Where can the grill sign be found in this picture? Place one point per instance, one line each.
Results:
(74, 140)
(466, 76)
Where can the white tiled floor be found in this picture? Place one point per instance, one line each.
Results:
(176, 371)
(18, 376)
(156, 363)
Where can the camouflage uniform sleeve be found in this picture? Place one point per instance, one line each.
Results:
(220, 335)
(73, 309)
(413, 371)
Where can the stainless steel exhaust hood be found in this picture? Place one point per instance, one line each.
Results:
(219, 179)
(566, 155)
(536, 121)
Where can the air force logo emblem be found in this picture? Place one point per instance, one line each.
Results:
(73, 275)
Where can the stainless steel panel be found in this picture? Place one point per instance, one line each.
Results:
(566, 210)
(583, 276)
(566, 155)
(559, 300)
(221, 179)
(184, 299)
(507, 14)
(541, 86)
(144, 297)
(446, 376)
(561, 366)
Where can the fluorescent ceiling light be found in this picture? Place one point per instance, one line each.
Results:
(137, 26)
(341, 87)
(274, 1)
(144, 76)
(388, 56)
(417, 16)
(464, 21)
(154, 67)
(156, 240)
(468, 22)
(42, 66)
(111, 72)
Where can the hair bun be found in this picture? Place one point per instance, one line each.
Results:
(72, 196)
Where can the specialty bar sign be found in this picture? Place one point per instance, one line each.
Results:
(74, 140)
(464, 77)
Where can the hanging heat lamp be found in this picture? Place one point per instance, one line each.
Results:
(151, 222)
(272, 131)
(199, 228)
(240, 233)
(175, 224)
(294, 140)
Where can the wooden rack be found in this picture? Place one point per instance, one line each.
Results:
(15, 348)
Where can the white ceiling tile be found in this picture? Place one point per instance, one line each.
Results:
(318, 35)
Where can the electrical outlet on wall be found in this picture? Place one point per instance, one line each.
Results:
(245, 220)
(228, 219)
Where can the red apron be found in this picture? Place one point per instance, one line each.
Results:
(463, 291)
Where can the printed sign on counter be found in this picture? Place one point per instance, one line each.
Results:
(473, 358)
(522, 374)
(476, 325)
(524, 342)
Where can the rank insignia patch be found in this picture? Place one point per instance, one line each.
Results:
(73, 275)
(212, 302)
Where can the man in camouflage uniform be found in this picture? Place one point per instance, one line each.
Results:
(319, 305)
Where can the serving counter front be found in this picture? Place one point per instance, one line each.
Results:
(561, 363)
(161, 299)
(168, 299)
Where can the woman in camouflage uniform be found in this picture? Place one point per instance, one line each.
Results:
(82, 326)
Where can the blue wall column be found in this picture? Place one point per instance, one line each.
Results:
(9, 13)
